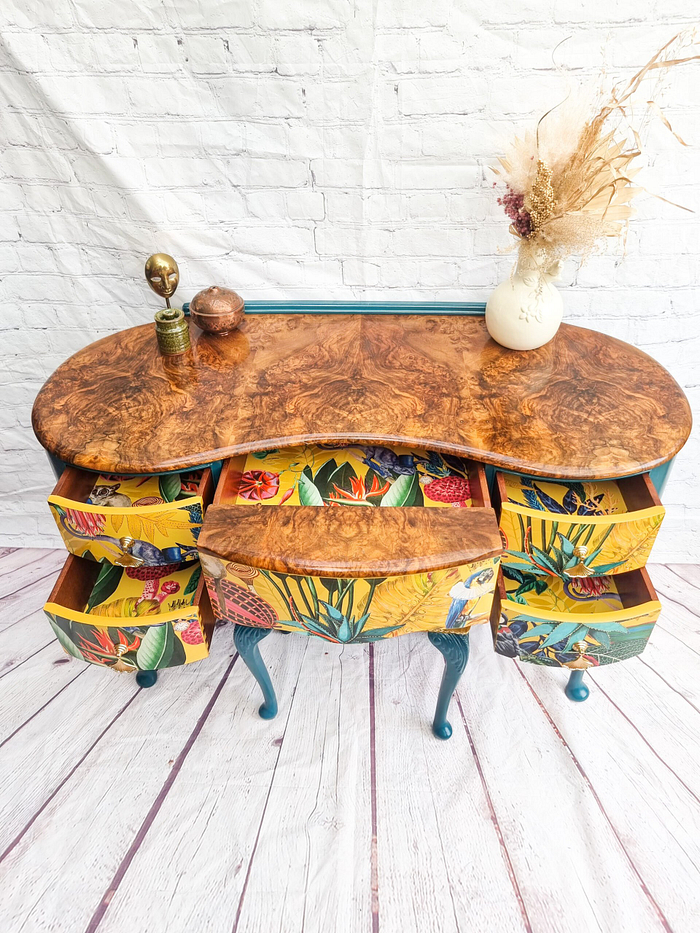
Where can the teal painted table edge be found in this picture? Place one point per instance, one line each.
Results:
(263, 306)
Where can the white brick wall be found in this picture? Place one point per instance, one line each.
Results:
(308, 148)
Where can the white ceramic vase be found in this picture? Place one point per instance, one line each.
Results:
(525, 311)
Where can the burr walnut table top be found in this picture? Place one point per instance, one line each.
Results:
(585, 405)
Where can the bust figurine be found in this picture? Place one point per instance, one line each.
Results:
(163, 275)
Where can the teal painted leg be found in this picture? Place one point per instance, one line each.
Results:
(246, 638)
(575, 689)
(455, 650)
(146, 678)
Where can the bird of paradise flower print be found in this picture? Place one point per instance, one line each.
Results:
(355, 475)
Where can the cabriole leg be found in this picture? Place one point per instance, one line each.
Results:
(576, 690)
(246, 638)
(455, 650)
(146, 678)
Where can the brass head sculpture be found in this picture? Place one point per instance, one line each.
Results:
(162, 275)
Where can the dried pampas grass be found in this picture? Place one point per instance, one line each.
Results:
(570, 183)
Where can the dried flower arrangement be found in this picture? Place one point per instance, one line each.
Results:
(570, 184)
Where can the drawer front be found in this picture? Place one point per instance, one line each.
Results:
(354, 609)
(576, 639)
(574, 545)
(116, 636)
(156, 530)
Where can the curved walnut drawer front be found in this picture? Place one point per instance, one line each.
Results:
(349, 541)
(585, 405)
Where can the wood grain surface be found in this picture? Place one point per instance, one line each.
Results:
(349, 541)
(584, 405)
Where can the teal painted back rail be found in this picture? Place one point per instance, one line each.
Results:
(264, 306)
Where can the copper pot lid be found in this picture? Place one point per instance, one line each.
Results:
(216, 300)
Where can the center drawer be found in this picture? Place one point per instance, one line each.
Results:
(359, 475)
(351, 543)
(131, 521)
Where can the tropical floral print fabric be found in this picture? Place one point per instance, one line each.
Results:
(573, 530)
(599, 497)
(573, 623)
(355, 609)
(135, 619)
(357, 475)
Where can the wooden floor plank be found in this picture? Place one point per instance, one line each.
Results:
(661, 717)
(28, 687)
(21, 568)
(108, 797)
(655, 817)
(214, 811)
(41, 756)
(22, 641)
(317, 835)
(18, 605)
(688, 572)
(573, 872)
(441, 867)
(178, 810)
(677, 667)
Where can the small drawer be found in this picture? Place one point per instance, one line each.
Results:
(131, 521)
(131, 618)
(577, 529)
(579, 623)
(352, 475)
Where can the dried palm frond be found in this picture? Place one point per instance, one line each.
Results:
(570, 184)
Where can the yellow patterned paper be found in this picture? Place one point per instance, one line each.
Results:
(161, 531)
(352, 609)
(355, 475)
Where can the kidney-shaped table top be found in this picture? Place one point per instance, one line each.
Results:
(584, 405)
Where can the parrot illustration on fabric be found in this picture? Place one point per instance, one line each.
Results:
(462, 593)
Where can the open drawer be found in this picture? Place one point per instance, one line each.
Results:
(131, 521)
(131, 618)
(577, 529)
(577, 624)
(352, 475)
(351, 574)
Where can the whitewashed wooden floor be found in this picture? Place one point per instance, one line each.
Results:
(177, 809)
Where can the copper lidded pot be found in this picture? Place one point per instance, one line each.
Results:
(217, 310)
